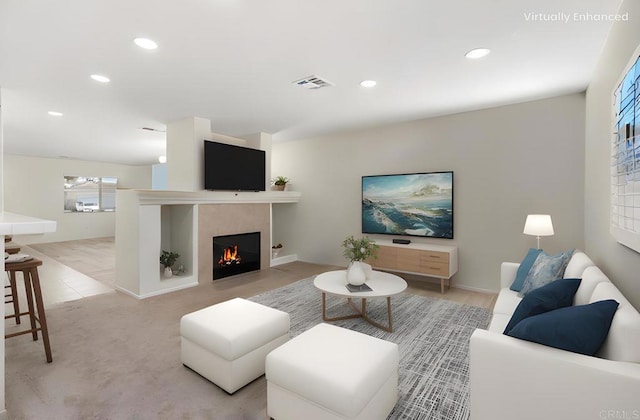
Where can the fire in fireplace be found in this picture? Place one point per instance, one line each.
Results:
(230, 256)
(235, 254)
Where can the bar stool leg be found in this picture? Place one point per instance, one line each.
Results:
(41, 314)
(32, 313)
(14, 296)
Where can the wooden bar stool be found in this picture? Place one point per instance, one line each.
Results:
(10, 247)
(36, 313)
(13, 295)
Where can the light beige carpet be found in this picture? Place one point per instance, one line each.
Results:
(118, 358)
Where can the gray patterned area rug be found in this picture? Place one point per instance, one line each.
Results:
(432, 336)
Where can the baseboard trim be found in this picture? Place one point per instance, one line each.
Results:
(157, 292)
(436, 281)
(454, 284)
(284, 260)
(475, 289)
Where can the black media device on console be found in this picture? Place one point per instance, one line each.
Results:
(402, 241)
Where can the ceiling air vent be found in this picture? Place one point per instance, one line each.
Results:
(152, 129)
(313, 82)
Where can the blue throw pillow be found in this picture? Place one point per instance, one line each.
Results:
(580, 329)
(557, 294)
(524, 268)
(545, 269)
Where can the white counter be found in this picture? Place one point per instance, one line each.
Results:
(18, 224)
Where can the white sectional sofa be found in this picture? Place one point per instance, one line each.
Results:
(517, 379)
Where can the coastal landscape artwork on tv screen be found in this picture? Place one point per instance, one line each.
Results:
(408, 204)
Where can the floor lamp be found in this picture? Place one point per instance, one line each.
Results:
(538, 225)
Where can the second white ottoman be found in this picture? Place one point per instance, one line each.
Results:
(227, 343)
(328, 372)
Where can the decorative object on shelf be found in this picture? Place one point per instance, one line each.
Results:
(358, 250)
(275, 250)
(180, 270)
(538, 225)
(167, 259)
(280, 182)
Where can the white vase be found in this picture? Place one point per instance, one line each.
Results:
(356, 273)
(168, 272)
(368, 270)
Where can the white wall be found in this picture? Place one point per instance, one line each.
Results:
(507, 162)
(35, 187)
(621, 264)
(3, 412)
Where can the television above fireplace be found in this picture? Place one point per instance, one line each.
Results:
(233, 168)
(419, 204)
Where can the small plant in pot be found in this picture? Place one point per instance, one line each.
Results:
(275, 250)
(280, 182)
(167, 259)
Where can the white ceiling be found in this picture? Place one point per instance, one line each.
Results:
(233, 61)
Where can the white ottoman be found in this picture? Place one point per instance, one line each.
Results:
(330, 372)
(227, 343)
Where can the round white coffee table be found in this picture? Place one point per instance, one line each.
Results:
(383, 285)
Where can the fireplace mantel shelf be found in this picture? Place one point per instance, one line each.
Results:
(214, 197)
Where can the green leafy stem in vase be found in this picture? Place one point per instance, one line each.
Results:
(167, 258)
(359, 249)
(280, 180)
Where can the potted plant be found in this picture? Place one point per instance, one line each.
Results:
(167, 259)
(280, 182)
(356, 251)
(275, 250)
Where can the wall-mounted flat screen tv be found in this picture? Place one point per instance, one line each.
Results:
(409, 204)
(233, 168)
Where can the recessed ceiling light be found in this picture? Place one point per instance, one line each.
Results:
(100, 78)
(162, 159)
(368, 83)
(146, 43)
(477, 53)
(55, 113)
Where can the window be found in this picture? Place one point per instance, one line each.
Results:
(89, 194)
(625, 157)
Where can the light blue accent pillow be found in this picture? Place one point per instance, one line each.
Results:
(545, 269)
(580, 329)
(524, 268)
(555, 295)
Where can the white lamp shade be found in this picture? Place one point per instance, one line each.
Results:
(538, 225)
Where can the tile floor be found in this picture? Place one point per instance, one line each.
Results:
(58, 283)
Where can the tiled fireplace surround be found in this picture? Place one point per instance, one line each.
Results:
(231, 219)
